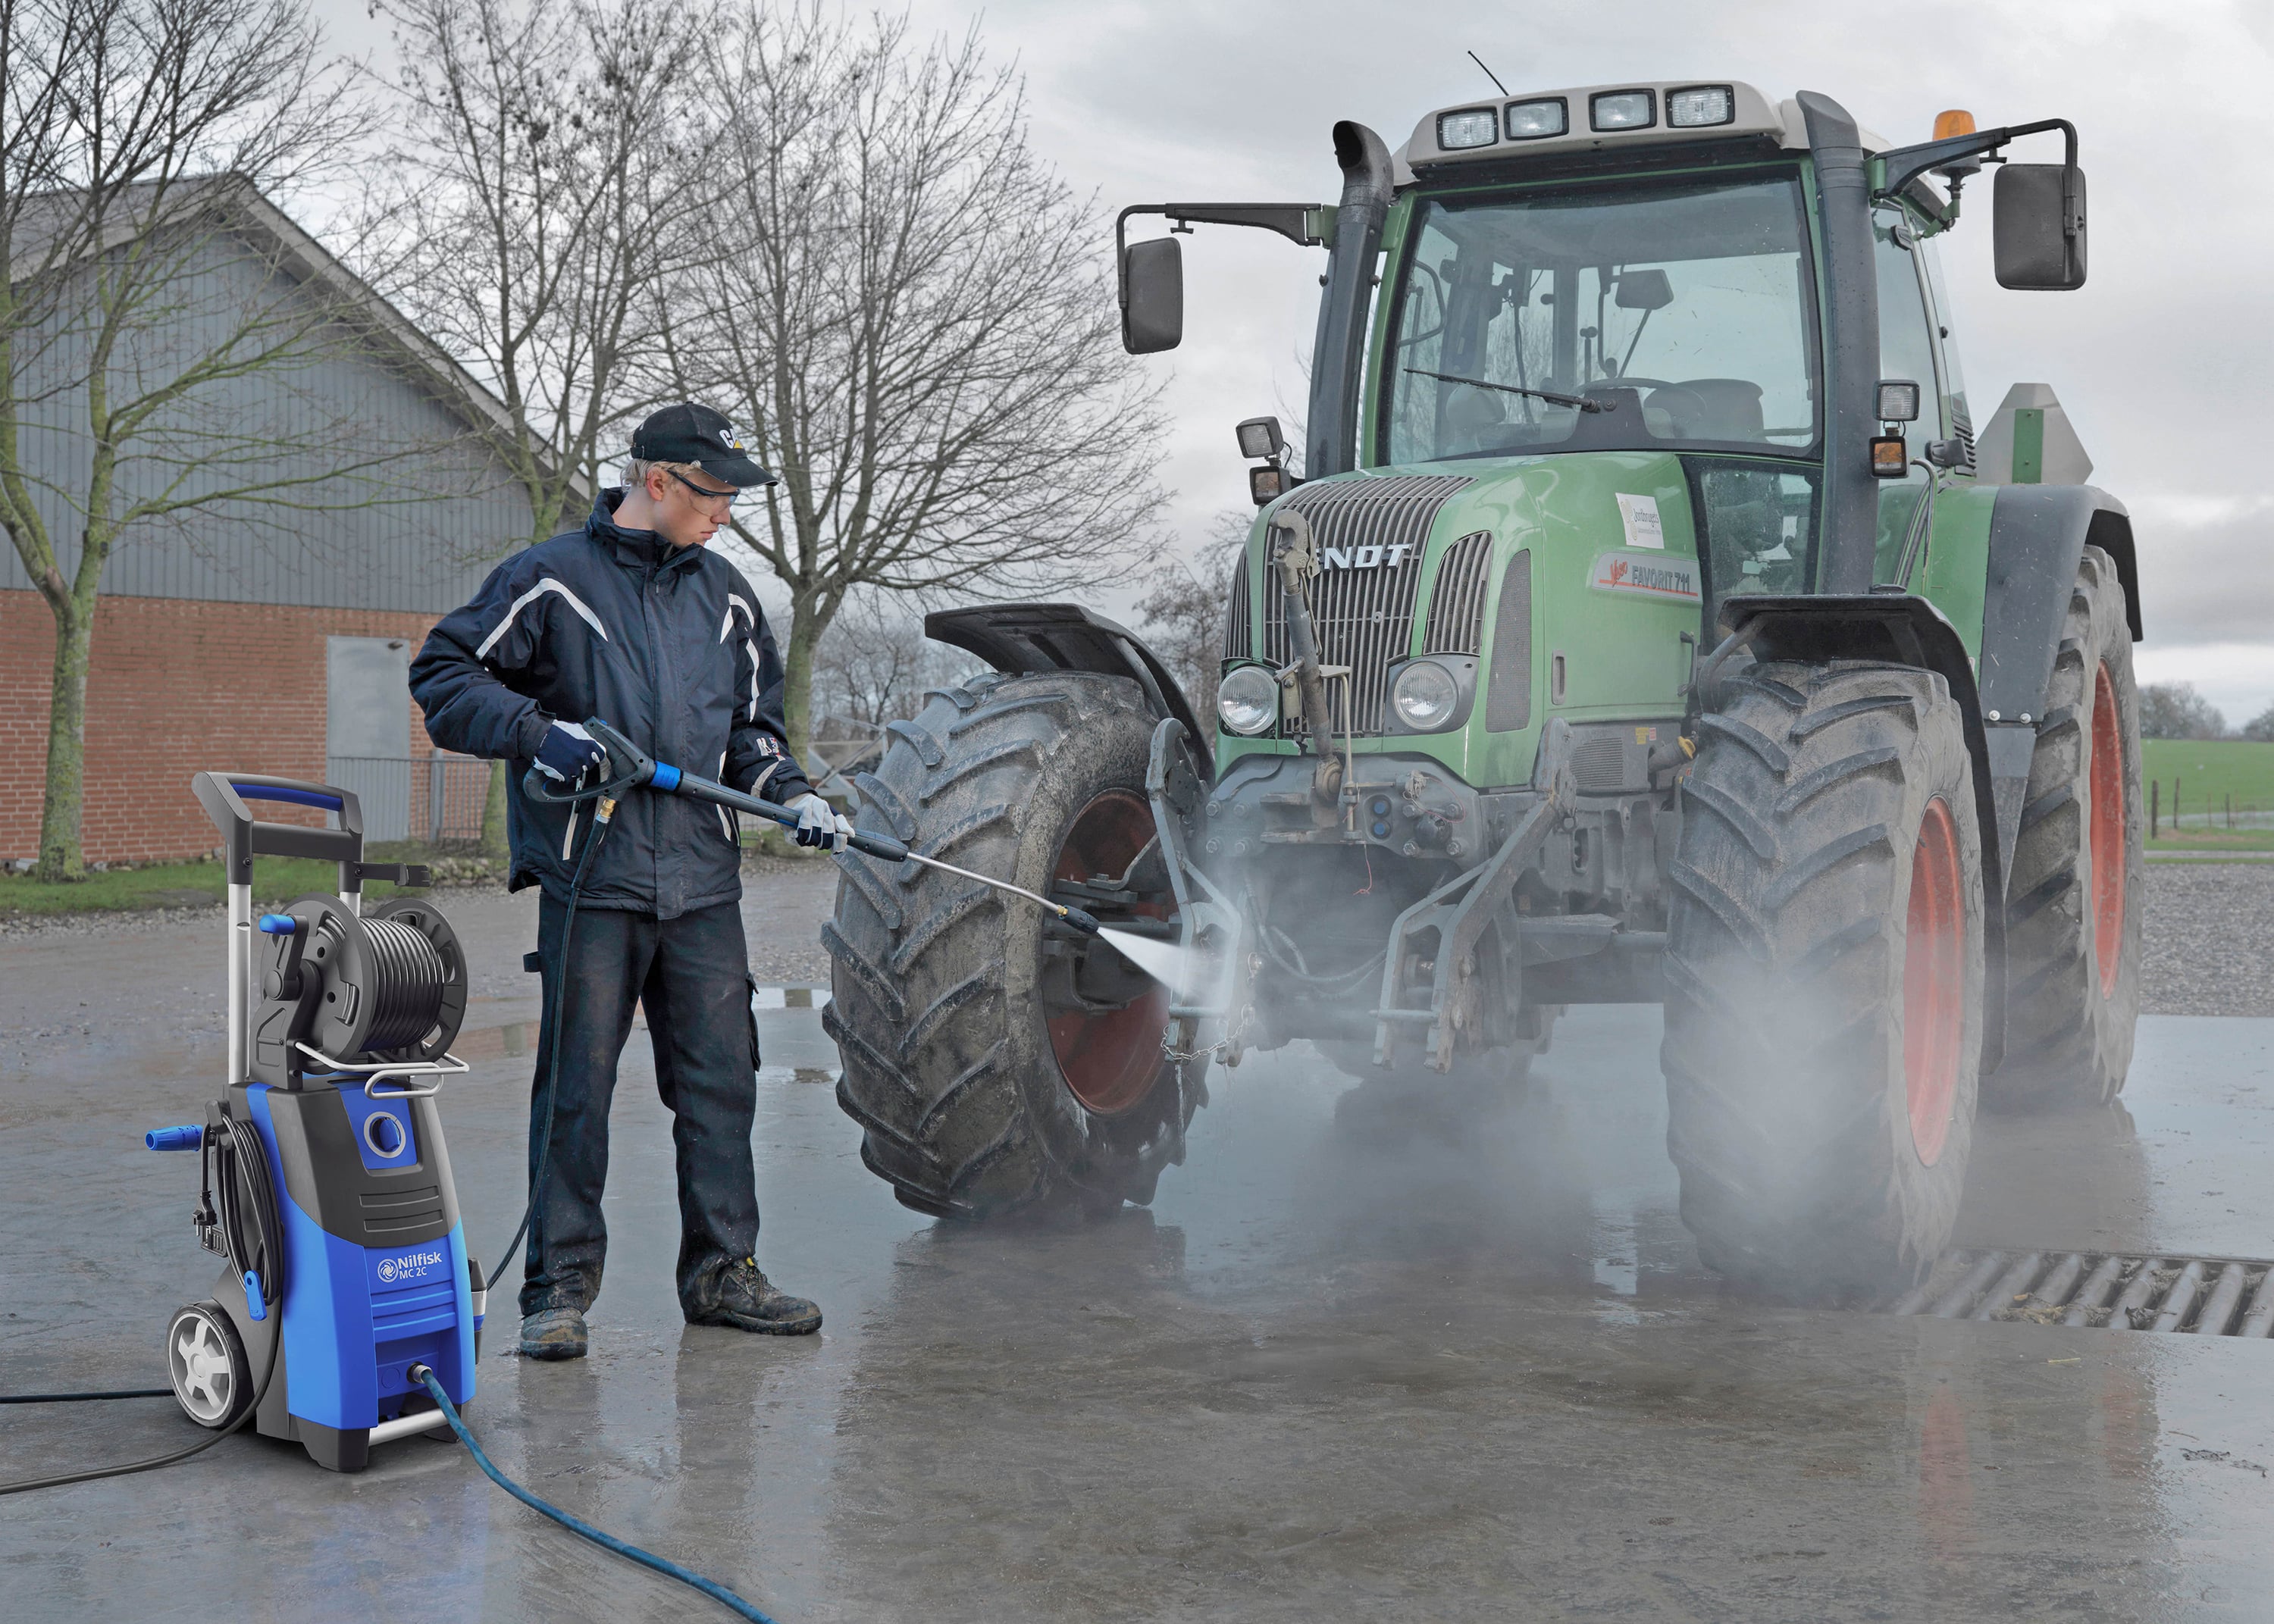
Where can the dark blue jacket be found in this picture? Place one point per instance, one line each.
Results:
(666, 643)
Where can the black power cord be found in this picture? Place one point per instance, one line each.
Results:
(237, 1154)
(603, 822)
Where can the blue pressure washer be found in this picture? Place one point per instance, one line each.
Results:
(326, 1183)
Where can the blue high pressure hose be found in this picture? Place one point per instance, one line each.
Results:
(576, 1525)
(601, 823)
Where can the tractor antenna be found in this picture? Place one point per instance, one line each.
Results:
(1489, 74)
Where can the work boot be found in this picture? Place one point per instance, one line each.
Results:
(554, 1334)
(740, 1295)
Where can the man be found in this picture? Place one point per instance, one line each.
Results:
(631, 620)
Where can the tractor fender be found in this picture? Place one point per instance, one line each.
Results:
(1024, 639)
(2038, 536)
(1910, 631)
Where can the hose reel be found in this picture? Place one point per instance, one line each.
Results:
(388, 985)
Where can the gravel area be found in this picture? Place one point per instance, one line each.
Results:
(2209, 939)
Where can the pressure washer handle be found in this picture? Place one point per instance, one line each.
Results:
(188, 1137)
(704, 789)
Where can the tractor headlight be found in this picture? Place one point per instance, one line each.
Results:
(1247, 699)
(1426, 696)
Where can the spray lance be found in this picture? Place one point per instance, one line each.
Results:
(629, 768)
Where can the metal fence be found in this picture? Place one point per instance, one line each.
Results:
(435, 797)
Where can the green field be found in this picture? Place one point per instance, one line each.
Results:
(2205, 776)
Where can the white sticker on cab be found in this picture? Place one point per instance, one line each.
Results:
(1638, 515)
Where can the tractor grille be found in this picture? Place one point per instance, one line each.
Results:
(1239, 628)
(1363, 605)
(1456, 608)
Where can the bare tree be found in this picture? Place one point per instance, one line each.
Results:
(916, 330)
(550, 172)
(1183, 616)
(138, 314)
(872, 665)
(2176, 710)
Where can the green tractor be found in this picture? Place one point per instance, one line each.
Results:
(1649, 624)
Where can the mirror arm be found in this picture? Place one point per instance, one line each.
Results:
(1905, 164)
(1305, 224)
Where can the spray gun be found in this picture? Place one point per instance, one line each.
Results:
(1297, 562)
(629, 768)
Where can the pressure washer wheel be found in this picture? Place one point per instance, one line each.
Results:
(995, 1060)
(2072, 927)
(205, 1359)
(1825, 978)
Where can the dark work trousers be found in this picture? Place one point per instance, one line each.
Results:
(692, 973)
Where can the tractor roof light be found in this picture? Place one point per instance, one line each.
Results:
(1622, 110)
(1532, 121)
(1470, 126)
(1953, 121)
(1697, 106)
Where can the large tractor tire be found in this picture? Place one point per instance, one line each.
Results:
(2074, 911)
(1825, 987)
(996, 1063)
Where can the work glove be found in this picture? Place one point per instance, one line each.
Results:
(567, 752)
(820, 824)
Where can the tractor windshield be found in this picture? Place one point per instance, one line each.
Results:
(1660, 313)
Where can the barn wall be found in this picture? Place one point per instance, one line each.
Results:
(174, 688)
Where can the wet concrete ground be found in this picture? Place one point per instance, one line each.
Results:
(1358, 1359)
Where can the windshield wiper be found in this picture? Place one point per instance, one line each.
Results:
(1584, 402)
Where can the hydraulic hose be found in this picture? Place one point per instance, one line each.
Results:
(576, 1525)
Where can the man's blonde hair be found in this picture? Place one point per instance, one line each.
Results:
(637, 469)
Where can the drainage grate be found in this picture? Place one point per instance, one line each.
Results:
(2205, 1296)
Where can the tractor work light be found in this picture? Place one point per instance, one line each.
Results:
(1471, 126)
(1622, 110)
(1701, 105)
(1889, 459)
(1266, 484)
(1426, 696)
(1247, 699)
(1260, 438)
(1899, 401)
(1532, 121)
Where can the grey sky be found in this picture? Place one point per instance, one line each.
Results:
(2163, 359)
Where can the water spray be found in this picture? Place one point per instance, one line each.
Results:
(628, 767)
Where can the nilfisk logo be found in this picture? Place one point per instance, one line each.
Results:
(407, 1266)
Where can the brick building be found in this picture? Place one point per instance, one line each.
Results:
(222, 644)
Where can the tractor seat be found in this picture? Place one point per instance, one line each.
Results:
(1712, 409)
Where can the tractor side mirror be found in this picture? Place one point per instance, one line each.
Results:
(1152, 295)
(2037, 226)
(1643, 290)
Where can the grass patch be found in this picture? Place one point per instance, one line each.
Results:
(2205, 772)
(195, 884)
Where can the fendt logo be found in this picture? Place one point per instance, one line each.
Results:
(408, 1266)
(1373, 556)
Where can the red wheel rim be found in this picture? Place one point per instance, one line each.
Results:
(1110, 1060)
(1934, 983)
(2109, 830)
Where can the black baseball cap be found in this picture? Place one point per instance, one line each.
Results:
(691, 434)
